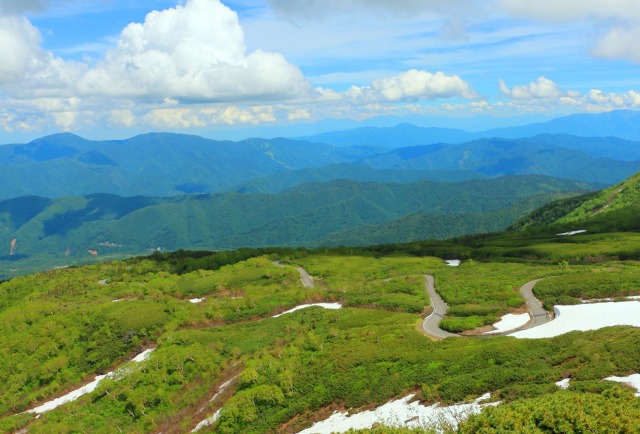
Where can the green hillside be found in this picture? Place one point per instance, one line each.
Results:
(70, 231)
(616, 207)
(62, 327)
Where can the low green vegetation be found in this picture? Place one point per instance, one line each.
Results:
(61, 328)
(609, 280)
(615, 410)
(394, 283)
(479, 294)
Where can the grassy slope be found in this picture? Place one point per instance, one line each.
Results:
(294, 365)
(609, 208)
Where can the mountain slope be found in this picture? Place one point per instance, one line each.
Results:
(615, 208)
(164, 165)
(68, 228)
(278, 182)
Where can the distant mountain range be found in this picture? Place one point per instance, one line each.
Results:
(64, 196)
(172, 164)
(623, 124)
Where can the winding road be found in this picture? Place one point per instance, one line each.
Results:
(539, 316)
(307, 280)
(431, 324)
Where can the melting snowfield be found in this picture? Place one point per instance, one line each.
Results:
(509, 322)
(333, 306)
(586, 317)
(632, 380)
(72, 396)
(400, 413)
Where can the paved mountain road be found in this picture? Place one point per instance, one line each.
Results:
(431, 324)
(307, 280)
(539, 316)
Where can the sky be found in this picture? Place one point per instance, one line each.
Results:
(117, 68)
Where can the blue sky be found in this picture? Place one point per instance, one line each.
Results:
(116, 68)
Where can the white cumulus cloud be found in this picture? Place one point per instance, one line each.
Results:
(412, 85)
(19, 49)
(541, 88)
(544, 94)
(191, 52)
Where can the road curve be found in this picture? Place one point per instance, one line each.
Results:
(307, 280)
(539, 316)
(431, 324)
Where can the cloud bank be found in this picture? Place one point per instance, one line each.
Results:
(544, 94)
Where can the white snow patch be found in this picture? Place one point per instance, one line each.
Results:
(399, 413)
(586, 317)
(304, 306)
(210, 420)
(207, 422)
(453, 262)
(72, 396)
(596, 300)
(196, 300)
(581, 231)
(632, 380)
(510, 321)
(563, 384)
(143, 355)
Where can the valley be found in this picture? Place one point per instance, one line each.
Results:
(319, 217)
(416, 285)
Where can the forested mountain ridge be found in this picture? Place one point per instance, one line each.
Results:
(306, 215)
(616, 206)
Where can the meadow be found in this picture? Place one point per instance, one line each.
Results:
(73, 323)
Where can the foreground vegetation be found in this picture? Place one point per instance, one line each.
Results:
(62, 327)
